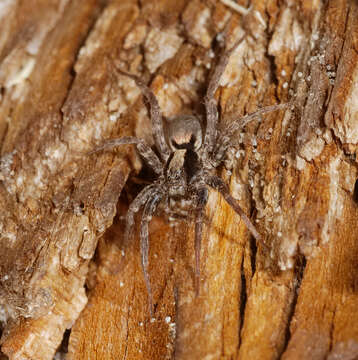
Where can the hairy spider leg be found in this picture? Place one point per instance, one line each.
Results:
(143, 197)
(155, 116)
(219, 185)
(148, 212)
(210, 101)
(224, 139)
(200, 210)
(144, 150)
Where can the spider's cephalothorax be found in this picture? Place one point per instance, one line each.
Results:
(184, 162)
(186, 165)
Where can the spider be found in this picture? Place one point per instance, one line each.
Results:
(186, 165)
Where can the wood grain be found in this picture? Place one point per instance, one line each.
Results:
(63, 260)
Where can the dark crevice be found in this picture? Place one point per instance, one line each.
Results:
(253, 252)
(2, 139)
(271, 58)
(355, 192)
(299, 271)
(273, 70)
(243, 299)
(2, 355)
(63, 348)
(160, 298)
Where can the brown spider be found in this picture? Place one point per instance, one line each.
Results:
(186, 165)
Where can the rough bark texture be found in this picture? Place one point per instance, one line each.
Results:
(295, 171)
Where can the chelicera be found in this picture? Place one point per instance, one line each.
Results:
(186, 164)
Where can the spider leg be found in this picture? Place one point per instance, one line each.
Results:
(200, 210)
(155, 115)
(145, 151)
(149, 210)
(147, 193)
(210, 102)
(219, 185)
(224, 139)
(242, 122)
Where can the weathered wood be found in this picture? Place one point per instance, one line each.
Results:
(295, 171)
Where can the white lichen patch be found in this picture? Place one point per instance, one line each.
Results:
(161, 45)
(288, 34)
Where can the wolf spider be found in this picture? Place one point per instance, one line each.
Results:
(186, 165)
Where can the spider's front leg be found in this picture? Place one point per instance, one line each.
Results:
(202, 199)
(155, 115)
(144, 150)
(210, 102)
(148, 212)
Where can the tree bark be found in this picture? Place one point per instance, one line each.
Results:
(63, 260)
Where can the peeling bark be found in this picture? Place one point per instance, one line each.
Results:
(61, 260)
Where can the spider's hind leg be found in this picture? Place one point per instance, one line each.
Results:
(224, 141)
(148, 212)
